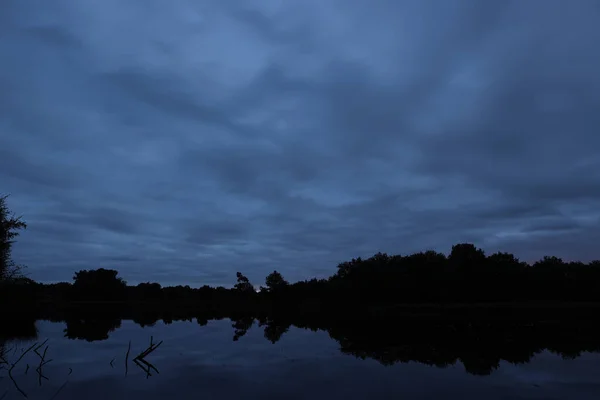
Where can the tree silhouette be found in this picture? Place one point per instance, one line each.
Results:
(9, 227)
(149, 291)
(275, 282)
(466, 256)
(347, 267)
(99, 284)
(243, 284)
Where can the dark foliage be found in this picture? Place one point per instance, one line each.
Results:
(275, 282)
(381, 282)
(98, 285)
(9, 230)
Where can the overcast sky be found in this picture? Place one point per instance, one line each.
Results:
(182, 141)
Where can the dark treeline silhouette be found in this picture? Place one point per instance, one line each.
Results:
(377, 284)
(480, 340)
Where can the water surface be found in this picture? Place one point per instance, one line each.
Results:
(204, 362)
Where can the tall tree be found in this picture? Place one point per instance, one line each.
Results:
(9, 227)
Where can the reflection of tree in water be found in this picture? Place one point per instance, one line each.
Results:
(390, 344)
(480, 346)
(146, 318)
(17, 329)
(14, 330)
(274, 329)
(241, 326)
(479, 343)
(91, 329)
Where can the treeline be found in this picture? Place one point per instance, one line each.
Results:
(466, 275)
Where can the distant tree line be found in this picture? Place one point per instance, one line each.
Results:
(466, 275)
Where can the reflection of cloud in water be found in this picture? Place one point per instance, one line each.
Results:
(533, 377)
(554, 376)
(311, 379)
(299, 380)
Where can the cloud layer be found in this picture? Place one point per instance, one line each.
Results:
(182, 142)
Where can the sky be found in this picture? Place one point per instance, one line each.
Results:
(182, 141)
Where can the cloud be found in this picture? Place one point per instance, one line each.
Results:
(185, 143)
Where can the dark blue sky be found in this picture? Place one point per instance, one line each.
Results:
(182, 141)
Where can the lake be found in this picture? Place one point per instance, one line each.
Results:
(204, 362)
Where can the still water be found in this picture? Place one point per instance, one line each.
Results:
(203, 362)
